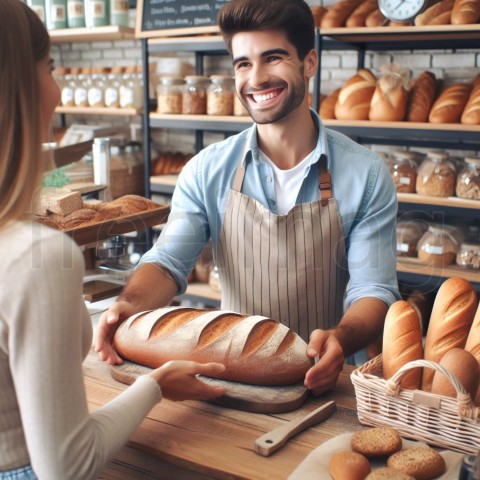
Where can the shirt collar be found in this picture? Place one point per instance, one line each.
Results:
(251, 150)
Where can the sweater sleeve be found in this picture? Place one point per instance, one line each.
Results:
(49, 330)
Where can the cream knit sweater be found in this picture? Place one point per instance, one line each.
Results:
(45, 334)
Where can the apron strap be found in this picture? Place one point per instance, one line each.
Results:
(324, 181)
(240, 173)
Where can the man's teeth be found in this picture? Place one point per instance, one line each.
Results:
(263, 98)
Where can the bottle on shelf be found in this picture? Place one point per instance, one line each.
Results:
(96, 90)
(68, 88)
(97, 13)
(220, 95)
(468, 180)
(194, 98)
(112, 87)
(436, 176)
(75, 14)
(81, 88)
(56, 14)
(170, 94)
(119, 12)
(130, 89)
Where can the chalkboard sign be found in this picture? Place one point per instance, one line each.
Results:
(156, 18)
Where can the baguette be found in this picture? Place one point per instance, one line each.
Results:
(421, 97)
(402, 343)
(471, 112)
(359, 16)
(338, 13)
(429, 16)
(465, 12)
(355, 96)
(389, 100)
(375, 19)
(327, 107)
(452, 316)
(449, 105)
(472, 345)
(254, 349)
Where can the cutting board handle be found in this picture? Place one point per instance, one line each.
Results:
(272, 441)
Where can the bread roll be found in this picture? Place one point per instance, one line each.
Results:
(461, 364)
(471, 112)
(472, 345)
(449, 105)
(376, 442)
(389, 100)
(327, 107)
(429, 16)
(359, 16)
(421, 97)
(348, 465)
(402, 343)
(338, 13)
(452, 316)
(421, 463)
(386, 473)
(465, 12)
(254, 349)
(375, 19)
(354, 99)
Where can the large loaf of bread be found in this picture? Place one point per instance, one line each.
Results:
(471, 112)
(402, 343)
(465, 12)
(338, 13)
(254, 349)
(421, 97)
(449, 105)
(389, 100)
(452, 316)
(437, 14)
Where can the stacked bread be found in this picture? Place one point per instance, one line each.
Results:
(455, 12)
(170, 163)
(452, 340)
(254, 349)
(87, 213)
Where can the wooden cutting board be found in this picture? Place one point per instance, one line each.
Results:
(240, 396)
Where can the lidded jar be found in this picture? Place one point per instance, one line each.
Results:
(404, 171)
(469, 255)
(194, 98)
(436, 175)
(220, 95)
(169, 95)
(409, 233)
(468, 180)
(438, 245)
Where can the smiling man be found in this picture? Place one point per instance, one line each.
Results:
(301, 218)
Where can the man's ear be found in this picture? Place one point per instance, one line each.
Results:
(310, 63)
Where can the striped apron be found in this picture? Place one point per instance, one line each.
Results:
(291, 268)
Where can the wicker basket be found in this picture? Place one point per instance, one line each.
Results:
(439, 420)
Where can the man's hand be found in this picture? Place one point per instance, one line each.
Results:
(106, 328)
(324, 374)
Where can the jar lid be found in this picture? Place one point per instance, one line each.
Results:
(196, 79)
(470, 246)
(171, 80)
(473, 161)
(438, 155)
(403, 154)
(221, 78)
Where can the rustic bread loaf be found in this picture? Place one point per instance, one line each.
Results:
(348, 465)
(254, 349)
(452, 315)
(376, 441)
(359, 16)
(471, 112)
(438, 12)
(355, 96)
(338, 13)
(327, 107)
(421, 463)
(402, 343)
(375, 19)
(78, 218)
(465, 12)
(449, 105)
(389, 100)
(421, 97)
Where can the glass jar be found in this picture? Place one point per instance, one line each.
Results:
(130, 90)
(436, 175)
(409, 233)
(194, 98)
(81, 88)
(112, 88)
(438, 246)
(169, 95)
(469, 255)
(468, 180)
(238, 107)
(96, 90)
(404, 171)
(220, 95)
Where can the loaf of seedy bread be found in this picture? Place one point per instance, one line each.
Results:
(472, 345)
(471, 112)
(254, 349)
(421, 97)
(438, 14)
(359, 16)
(389, 100)
(355, 97)
(465, 12)
(327, 107)
(449, 105)
(402, 343)
(452, 316)
(338, 13)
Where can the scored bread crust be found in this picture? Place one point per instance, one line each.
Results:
(254, 349)
(421, 97)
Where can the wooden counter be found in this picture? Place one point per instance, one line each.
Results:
(199, 440)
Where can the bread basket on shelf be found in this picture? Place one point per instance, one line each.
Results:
(447, 422)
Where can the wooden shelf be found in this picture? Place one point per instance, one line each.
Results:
(98, 111)
(453, 202)
(200, 122)
(93, 34)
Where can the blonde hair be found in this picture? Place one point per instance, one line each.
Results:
(24, 41)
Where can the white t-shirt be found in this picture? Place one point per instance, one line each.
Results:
(287, 183)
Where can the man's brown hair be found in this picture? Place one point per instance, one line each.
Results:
(293, 17)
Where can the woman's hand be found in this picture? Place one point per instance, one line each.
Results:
(178, 380)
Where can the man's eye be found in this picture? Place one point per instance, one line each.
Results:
(272, 58)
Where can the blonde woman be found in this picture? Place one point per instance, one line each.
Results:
(46, 430)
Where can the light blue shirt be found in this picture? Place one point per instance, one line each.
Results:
(362, 186)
